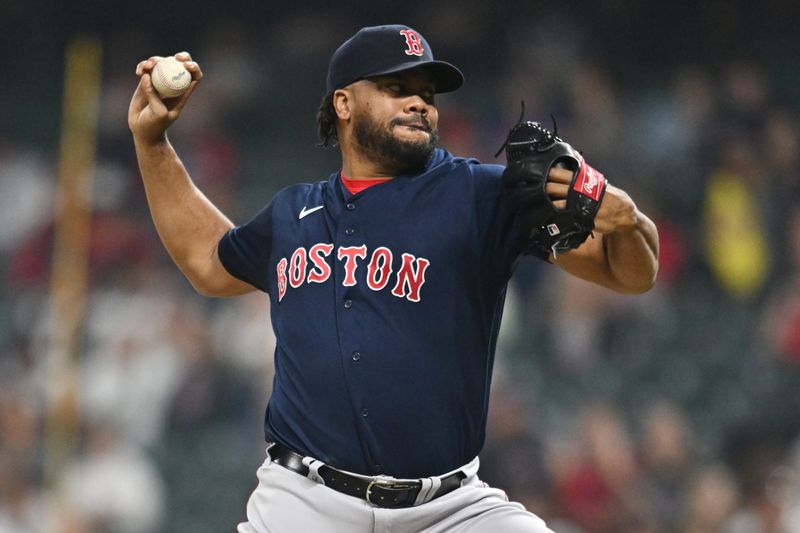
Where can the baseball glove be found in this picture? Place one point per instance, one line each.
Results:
(531, 151)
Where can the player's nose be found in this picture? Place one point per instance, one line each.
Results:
(415, 104)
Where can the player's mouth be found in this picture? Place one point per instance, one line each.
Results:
(414, 124)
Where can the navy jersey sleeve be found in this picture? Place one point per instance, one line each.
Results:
(499, 230)
(245, 250)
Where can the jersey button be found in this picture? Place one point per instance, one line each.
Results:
(364, 413)
(348, 304)
(350, 206)
(356, 356)
(349, 231)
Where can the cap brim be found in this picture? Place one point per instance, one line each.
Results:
(445, 76)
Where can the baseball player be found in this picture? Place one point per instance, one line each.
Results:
(386, 282)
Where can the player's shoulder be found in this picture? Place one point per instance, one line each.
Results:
(292, 199)
(301, 189)
(301, 192)
(473, 165)
(481, 174)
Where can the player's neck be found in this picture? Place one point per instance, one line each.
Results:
(358, 167)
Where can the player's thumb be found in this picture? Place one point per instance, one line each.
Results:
(180, 102)
(153, 100)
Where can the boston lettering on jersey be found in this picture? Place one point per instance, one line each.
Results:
(312, 266)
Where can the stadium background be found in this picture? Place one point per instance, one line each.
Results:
(674, 411)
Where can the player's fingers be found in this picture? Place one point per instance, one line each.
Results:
(150, 62)
(180, 101)
(139, 93)
(194, 70)
(560, 175)
(144, 66)
(558, 190)
(560, 204)
(147, 65)
(183, 56)
(138, 101)
(153, 100)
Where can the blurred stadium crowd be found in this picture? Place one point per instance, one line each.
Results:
(675, 411)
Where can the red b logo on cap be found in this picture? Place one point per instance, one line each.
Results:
(413, 42)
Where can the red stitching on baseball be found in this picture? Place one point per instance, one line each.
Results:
(164, 79)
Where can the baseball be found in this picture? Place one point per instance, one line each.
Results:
(170, 78)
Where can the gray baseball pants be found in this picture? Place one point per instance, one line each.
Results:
(287, 502)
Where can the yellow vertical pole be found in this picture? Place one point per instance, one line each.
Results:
(70, 261)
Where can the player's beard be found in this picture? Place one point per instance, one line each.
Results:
(397, 156)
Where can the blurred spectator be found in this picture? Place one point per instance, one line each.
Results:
(746, 92)
(673, 253)
(21, 505)
(790, 518)
(26, 193)
(600, 491)
(114, 487)
(780, 152)
(666, 460)
(734, 222)
(244, 340)
(576, 320)
(133, 365)
(781, 319)
(759, 456)
(597, 123)
(212, 440)
(711, 498)
(513, 458)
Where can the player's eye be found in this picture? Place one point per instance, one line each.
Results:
(402, 89)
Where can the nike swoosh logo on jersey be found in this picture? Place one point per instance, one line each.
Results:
(305, 211)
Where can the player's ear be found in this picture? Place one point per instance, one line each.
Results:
(342, 99)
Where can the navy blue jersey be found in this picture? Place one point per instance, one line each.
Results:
(386, 307)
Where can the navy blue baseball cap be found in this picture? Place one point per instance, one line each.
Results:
(379, 50)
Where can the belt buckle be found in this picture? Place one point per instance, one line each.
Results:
(388, 485)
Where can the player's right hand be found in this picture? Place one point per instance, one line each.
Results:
(148, 115)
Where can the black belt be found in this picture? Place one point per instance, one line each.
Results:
(379, 492)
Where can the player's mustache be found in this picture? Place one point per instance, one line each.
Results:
(413, 120)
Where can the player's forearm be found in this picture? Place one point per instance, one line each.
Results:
(632, 256)
(189, 225)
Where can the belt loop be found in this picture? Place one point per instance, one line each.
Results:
(429, 487)
(313, 469)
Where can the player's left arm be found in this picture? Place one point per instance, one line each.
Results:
(623, 255)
